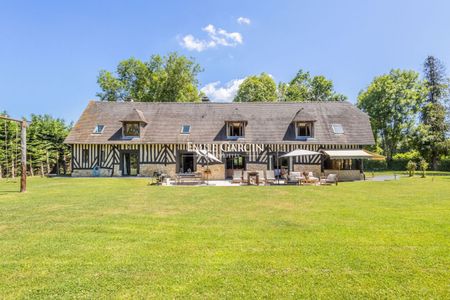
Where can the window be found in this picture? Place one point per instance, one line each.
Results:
(85, 156)
(99, 128)
(235, 129)
(304, 130)
(185, 129)
(236, 162)
(131, 129)
(102, 157)
(337, 128)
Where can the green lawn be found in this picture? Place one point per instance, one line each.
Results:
(86, 238)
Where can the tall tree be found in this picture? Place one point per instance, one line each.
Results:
(392, 101)
(45, 138)
(171, 78)
(304, 87)
(431, 133)
(260, 88)
(9, 147)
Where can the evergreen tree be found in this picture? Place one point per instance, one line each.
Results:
(431, 133)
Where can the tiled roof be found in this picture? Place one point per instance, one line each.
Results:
(266, 122)
(134, 116)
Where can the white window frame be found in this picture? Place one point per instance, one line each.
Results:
(131, 136)
(95, 131)
(303, 137)
(182, 129)
(242, 129)
(336, 125)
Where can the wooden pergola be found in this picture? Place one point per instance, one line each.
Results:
(23, 150)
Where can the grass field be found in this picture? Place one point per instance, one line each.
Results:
(89, 238)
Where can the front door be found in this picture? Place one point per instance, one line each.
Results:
(187, 162)
(130, 163)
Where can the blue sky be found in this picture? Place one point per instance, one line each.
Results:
(51, 51)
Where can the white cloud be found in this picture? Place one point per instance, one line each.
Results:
(216, 37)
(191, 43)
(243, 21)
(225, 93)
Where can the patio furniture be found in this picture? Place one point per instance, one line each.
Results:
(237, 176)
(330, 179)
(189, 178)
(312, 179)
(270, 177)
(253, 178)
(294, 177)
(245, 177)
(261, 176)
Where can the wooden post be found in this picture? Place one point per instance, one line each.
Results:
(23, 146)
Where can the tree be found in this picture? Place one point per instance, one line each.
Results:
(392, 101)
(171, 78)
(45, 138)
(431, 133)
(303, 87)
(9, 147)
(411, 167)
(260, 88)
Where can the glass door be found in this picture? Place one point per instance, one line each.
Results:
(130, 163)
(234, 162)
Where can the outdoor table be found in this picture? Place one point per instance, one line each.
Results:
(251, 175)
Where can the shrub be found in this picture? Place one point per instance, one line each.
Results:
(410, 155)
(444, 164)
(423, 167)
(411, 167)
(375, 165)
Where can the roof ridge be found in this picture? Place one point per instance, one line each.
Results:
(226, 103)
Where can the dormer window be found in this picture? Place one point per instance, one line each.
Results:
(304, 130)
(235, 130)
(185, 129)
(131, 129)
(99, 128)
(337, 128)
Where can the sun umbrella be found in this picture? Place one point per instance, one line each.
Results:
(300, 152)
(208, 158)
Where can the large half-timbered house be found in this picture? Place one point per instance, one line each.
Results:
(135, 138)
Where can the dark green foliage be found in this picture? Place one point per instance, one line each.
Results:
(171, 78)
(256, 88)
(444, 164)
(430, 136)
(304, 87)
(392, 102)
(46, 152)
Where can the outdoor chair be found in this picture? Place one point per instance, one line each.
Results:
(261, 176)
(294, 177)
(244, 177)
(237, 176)
(330, 179)
(270, 177)
(312, 178)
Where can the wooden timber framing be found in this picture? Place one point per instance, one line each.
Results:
(88, 156)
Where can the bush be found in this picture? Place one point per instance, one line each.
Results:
(411, 167)
(407, 156)
(423, 165)
(444, 164)
(375, 165)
